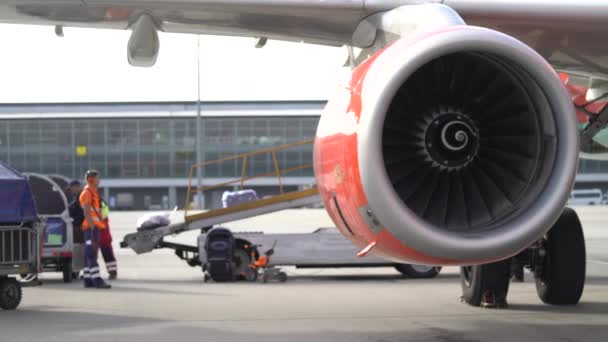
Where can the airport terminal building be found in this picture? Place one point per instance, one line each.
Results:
(144, 150)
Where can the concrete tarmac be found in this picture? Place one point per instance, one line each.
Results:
(159, 298)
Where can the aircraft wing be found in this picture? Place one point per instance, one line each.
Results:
(567, 32)
(330, 22)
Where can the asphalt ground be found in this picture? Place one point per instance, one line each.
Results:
(159, 298)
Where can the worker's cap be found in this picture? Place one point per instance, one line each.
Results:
(91, 173)
(74, 182)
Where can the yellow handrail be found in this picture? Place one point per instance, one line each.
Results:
(278, 172)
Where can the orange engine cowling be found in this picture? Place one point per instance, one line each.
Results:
(453, 147)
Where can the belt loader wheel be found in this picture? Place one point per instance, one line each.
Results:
(241, 261)
(418, 271)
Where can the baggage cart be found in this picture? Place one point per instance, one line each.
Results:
(63, 245)
(20, 235)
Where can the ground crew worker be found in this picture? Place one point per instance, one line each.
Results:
(72, 193)
(105, 242)
(73, 190)
(91, 226)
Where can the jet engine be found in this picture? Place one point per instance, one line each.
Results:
(452, 147)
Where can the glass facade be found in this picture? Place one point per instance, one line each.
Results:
(163, 147)
(592, 166)
(152, 147)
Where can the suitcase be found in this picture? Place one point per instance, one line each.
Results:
(221, 270)
(219, 248)
(231, 198)
(152, 221)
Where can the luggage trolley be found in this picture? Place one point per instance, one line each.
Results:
(20, 232)
(63, 249)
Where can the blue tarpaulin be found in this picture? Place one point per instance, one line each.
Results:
(16, 201)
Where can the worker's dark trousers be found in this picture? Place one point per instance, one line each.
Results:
(92, 277)
(105, 243)
(108, 257)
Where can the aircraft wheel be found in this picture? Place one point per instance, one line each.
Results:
(561, 279)
(10, 293)
(517, 271)
(486, 285)
(418, 271)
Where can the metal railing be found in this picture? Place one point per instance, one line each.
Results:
(17, 245)
(244, 157)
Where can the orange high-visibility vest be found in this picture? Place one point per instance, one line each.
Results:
(90, 196)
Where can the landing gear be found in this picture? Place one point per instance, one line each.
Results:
(560, 273)
(557, 260)
(10, 293)
(486, 285)
(517, 270)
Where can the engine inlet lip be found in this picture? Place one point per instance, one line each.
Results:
(385, 76)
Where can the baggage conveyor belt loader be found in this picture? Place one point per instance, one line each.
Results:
(147, 240)
(322, 248)
(325, 247)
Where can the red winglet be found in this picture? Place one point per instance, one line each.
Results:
(366, 250)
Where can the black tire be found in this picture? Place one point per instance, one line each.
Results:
(67, 270)
(282, 277)
(10, 294)
(241, 263)
(477, 280)
(562, 278)
(251, 275)
(418, 271)
(517, 271)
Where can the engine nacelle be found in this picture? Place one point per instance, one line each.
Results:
(454, 147)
